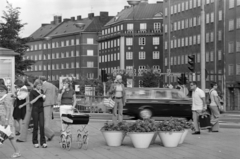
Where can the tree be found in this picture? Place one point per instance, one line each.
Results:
(150, 78)
(10, 38)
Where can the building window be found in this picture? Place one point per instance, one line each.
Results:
(238, 23)
(67, 54)
(62, 43)
(57, 66)
(62, 55)
(231, 25)
(49, 56)
(44, 46)
(57, 55)
(155, 54)
(40, 57)
(67, 42)
(53, 67)
(207, 18)
(90, 64)
(220, 15)
(129, 55)
(207, 56)
(67, 65)
(77, 41)
(190, 22)
(142, 41)
(212, 17)
(166, 44)
(219, 35)
(199, 39)
(130, 27)
(89, 52)
(186, 23)
(194, 21)
(72, 65)
(231, 3)
(166, 11)
(211, 55)
(219, 54)
(183, 24)
(207, 37)
(77, 53)
(143, 26)
(72, 42)
(129, 41)
(190, 4)
(211, 37)
(156, 40)
(166, 61)
(157, 26)
(230, 47)
(53, 56)
(194, 40)
(165, 28)
(89, 40)
(238, 69)
(183, 6)
(238, 46)
(142, 55)
(230, 70)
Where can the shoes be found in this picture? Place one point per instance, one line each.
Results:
(19, 140)
(36, 145)
(16, 155)
(215, 131)
(196, 133)
(17, 133)
(209, 129)
(50, 139)
(44, 145)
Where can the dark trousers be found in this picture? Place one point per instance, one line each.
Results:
(38, 120)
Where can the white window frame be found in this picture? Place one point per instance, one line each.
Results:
(141, 55)
(156, 55)
(90, 64)
(130, 26)
(129, 41)
(129, 56)
(90, 53)
(90, 41)
(142, 40)
(156, 40)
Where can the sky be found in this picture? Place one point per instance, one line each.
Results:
(36, 12)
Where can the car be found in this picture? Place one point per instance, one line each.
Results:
(157, 102)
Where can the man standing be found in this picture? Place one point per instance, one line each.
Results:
(51, 93)
(198, 105)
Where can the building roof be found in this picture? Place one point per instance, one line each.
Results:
(43, 31)
(7, 52)
(140, 12)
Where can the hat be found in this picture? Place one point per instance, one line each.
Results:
(19, 83)
(3, 87)
(118, 77)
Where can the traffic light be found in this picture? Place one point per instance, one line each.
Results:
(191, 63)
(104, 76)
(182, 79)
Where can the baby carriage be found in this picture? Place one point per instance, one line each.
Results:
(82, 134)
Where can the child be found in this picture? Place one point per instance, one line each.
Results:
(37, 99)
(6, 116)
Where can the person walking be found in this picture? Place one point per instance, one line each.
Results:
(36, 99)
(6, 117)
(215, 103)
(51, 92)
(117, 91)
(67, 100)
(198, 105)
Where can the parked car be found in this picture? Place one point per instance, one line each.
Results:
(159, 102)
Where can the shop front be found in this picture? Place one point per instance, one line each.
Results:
(7, 67)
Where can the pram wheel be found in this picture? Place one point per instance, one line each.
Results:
(68, 142)
(63, 141)
(85, 142)
(79, 141)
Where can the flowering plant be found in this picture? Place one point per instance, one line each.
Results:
(171, 125)
(120, 126)
(145, 125)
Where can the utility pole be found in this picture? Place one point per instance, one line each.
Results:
(203, 58)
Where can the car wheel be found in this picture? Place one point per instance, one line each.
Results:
(145, 113)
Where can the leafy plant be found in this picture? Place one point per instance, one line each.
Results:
(145, 125)
(186, 124)
(120, 126)
(172, 125)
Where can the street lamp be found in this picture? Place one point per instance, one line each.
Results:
(49, 38)
(133, 3)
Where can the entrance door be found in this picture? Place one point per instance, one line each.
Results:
(231, 99)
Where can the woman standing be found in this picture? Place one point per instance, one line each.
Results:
(21, 98)
(67, 100)
(37, 99)
(6, 119)
(215, 114)
(117, 91)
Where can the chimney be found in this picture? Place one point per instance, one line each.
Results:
(79, 17)
(52, 22)
(72, 18)
(57, 19)
(90, 15)
(44, 25)
(125, 7)
(103, 15)
(66, 19)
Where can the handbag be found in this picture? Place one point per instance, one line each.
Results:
(204, 120)
(4, 133)
(108, 102)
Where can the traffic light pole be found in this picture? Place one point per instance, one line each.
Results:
(203, 58)
(104, 88)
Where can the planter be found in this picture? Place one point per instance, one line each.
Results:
(113, 138)
(170, 139)
(183, 136)
(140, 139)
(155, 137)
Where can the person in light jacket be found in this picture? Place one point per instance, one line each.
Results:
(51, 92)
(117, 91)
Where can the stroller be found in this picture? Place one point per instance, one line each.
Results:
(82, 134)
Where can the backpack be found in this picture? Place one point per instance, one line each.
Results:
(208, 97)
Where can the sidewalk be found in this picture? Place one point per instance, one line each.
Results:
(222, 145)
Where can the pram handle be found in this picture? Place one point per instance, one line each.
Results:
(76, 110)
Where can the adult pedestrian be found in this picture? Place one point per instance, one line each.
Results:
(67, 100)
(6, 117)
(215, 103)
(21, 98)
(36, 99)
(198, 105)
(51, 92)
(117, 91)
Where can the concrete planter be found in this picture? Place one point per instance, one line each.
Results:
(113, 138)
(140, 139)
(170, 139)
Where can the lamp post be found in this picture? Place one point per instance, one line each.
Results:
(133, 3)
(48, 38)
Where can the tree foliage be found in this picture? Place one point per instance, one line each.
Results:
(10, 38)
(150, 78)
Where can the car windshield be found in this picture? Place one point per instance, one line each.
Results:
(161, 94)
(140, 94)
